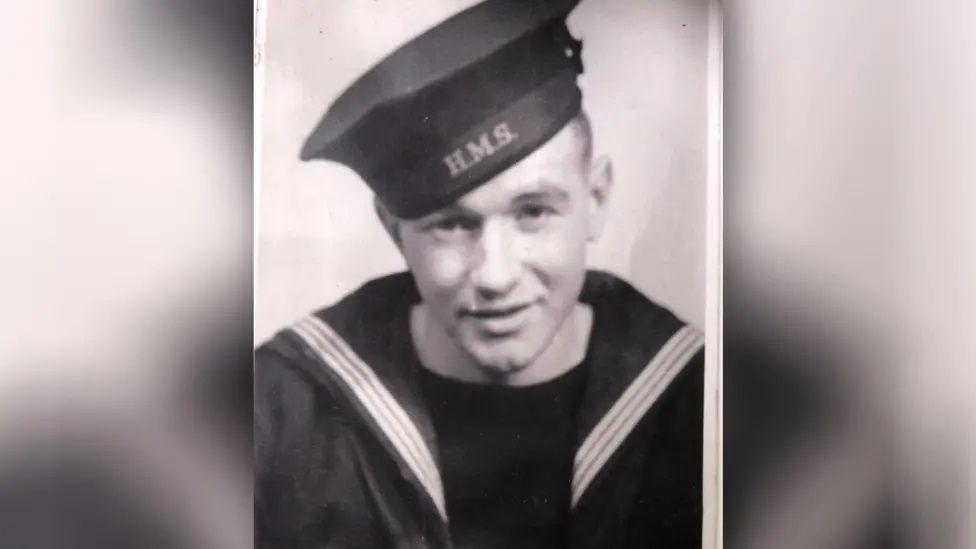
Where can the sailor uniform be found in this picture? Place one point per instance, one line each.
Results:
(506, 458)
(347, 451)
(353, 447)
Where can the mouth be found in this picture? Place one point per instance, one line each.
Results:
(496, 312)
(499, 321)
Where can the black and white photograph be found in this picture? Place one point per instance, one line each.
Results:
(488, 274)
(481, 266)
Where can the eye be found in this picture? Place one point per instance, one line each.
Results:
(453, 227)
(455, 224)
(534, 210)
(532, 217)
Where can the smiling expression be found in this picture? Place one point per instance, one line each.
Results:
(501, 269)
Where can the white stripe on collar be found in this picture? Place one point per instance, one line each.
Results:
(628, 410)
(392, 419)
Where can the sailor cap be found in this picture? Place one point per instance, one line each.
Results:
(457, 105)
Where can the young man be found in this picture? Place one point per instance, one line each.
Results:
(498, 394)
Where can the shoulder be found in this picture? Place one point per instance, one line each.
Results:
(640, 347)
(635, 340)
(370, 303)
(624, 309)
(285, 371)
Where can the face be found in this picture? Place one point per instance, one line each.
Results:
(501, 269)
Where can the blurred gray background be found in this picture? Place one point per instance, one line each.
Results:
(850, 274)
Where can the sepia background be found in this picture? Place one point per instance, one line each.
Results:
(644, 87)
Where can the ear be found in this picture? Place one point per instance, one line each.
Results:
(600, 185)
(389, 221)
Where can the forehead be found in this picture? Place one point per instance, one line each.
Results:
(556, 168)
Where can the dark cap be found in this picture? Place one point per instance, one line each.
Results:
(456, 105)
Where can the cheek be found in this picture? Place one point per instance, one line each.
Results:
(437, 269)
(558, 255)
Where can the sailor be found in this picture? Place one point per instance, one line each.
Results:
(498, 393)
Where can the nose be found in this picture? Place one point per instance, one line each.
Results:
(497, 270)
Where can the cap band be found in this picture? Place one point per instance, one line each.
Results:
(487, 149)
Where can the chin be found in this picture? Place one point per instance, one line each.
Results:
(501, 367)
(503, 361)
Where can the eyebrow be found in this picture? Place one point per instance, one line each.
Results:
(448, 211)
(545, 190)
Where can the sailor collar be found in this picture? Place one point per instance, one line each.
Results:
(636, 350)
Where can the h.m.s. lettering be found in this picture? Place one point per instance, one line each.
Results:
(473, 152)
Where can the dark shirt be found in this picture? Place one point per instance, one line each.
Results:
(328, 473)
(506, 458)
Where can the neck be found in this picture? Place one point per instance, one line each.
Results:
(439, 353)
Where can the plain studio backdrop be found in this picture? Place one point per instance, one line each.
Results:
(644, 87)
